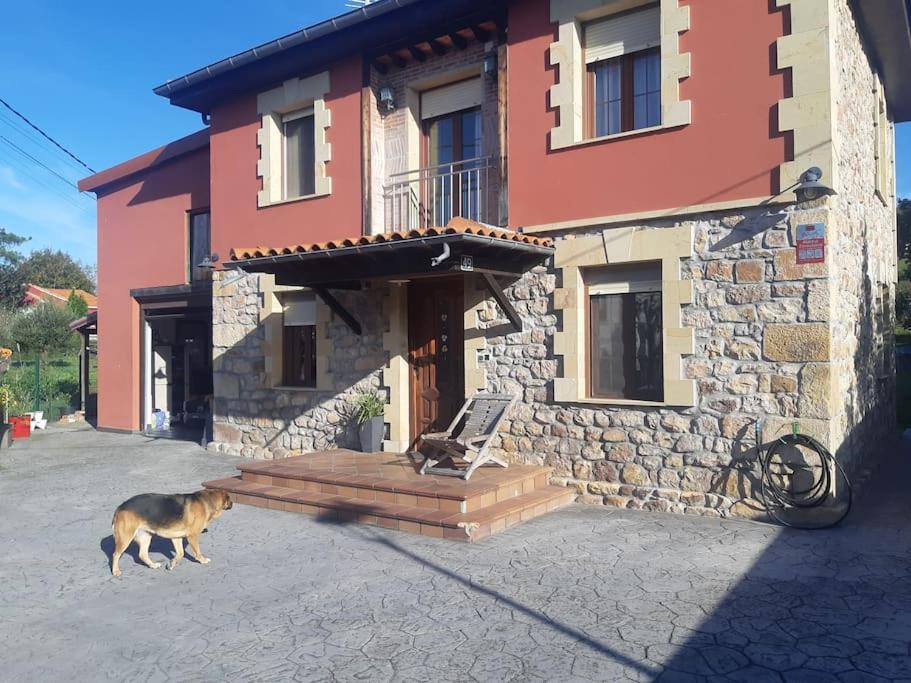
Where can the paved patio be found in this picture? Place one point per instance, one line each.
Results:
(581, 594)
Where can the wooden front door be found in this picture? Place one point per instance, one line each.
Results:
(435, 353)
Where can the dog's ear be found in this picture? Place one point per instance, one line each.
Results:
(228, 504)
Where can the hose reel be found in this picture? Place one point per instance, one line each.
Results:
(802, 485)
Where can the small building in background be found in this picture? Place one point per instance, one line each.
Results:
(36, 294)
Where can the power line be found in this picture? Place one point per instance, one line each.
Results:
(37, 161)
(29, 136)
(55, 189)
(64, 149)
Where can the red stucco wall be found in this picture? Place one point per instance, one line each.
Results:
(236, 219)
(142, 242)
(730, 150)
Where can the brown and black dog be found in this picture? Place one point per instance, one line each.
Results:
(176, 516)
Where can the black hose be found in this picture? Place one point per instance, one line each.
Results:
(780, 482)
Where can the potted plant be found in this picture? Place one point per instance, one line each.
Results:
(368, 412)
(6, 432)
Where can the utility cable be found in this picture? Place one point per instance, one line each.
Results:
(57, 144)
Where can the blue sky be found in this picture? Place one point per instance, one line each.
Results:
(85, 72)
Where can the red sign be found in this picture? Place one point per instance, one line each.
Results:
(811, 243)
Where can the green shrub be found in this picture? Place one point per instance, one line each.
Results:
(76, 305)
(42, 329)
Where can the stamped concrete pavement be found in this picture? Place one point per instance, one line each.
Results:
(582, 594)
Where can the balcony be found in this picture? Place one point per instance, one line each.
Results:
(431, 196)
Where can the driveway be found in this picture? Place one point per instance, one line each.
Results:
(582, 594)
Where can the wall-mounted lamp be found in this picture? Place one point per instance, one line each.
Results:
(386, 98)
(490, 63)
(208, 262)
(810, 188)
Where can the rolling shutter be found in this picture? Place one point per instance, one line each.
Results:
(451, 98)
(300, 310)
(616, 36)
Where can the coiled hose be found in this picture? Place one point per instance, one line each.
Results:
(792, 484)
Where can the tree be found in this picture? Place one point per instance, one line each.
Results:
(9, 255)
(904, 228)
(76, 305)
(46, 268)
(43, 328)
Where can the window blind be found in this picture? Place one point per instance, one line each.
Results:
(619, 35)
(625, 279)
(300, 310)
(451, 98)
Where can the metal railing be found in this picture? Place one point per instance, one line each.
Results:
(433, 195)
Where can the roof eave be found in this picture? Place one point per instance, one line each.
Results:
(315, 47)
(885, 26)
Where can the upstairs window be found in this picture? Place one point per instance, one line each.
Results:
(199, 245)
(299, 154)
(299, 341)
(623, 72)
(626, 357)
(884, 151)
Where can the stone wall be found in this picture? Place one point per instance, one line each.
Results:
(255, 419)
(761, 354)
(862, 252)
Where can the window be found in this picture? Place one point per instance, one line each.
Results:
(625, 333)
(453, 156)
(199, 244)
(623, 79)
(884, 148)
(299, 341)
(299, 154)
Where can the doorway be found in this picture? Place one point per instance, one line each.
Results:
(435, 353)
(452, 152)
(177, 373)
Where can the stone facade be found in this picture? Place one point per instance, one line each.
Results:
(863, 256)
(774, 342)
(761, 356)
(255, 419)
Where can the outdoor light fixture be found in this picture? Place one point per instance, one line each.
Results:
(810, 188)
(209, 262)
(387, 98)
(490, 62)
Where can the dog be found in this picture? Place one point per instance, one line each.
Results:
(176, 516)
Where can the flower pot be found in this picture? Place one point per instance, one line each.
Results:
(22, 426)
(371, 433)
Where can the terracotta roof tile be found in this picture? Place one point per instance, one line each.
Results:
(456, 226)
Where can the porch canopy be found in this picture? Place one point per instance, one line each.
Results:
(462, 246)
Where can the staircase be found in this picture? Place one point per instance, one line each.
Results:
(385, 490)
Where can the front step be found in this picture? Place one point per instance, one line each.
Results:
(437, 523)
(391, 479)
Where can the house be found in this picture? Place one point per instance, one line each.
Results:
(35, 294)
(668, 227)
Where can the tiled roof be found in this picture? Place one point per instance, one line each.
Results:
(39, 293)
(457, 226)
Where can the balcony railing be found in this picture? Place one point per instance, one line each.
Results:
(432, 196)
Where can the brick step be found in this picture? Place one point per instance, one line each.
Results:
(430, 491)
(471, 526)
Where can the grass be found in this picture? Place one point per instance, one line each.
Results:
(902, 335)
(54, 389)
